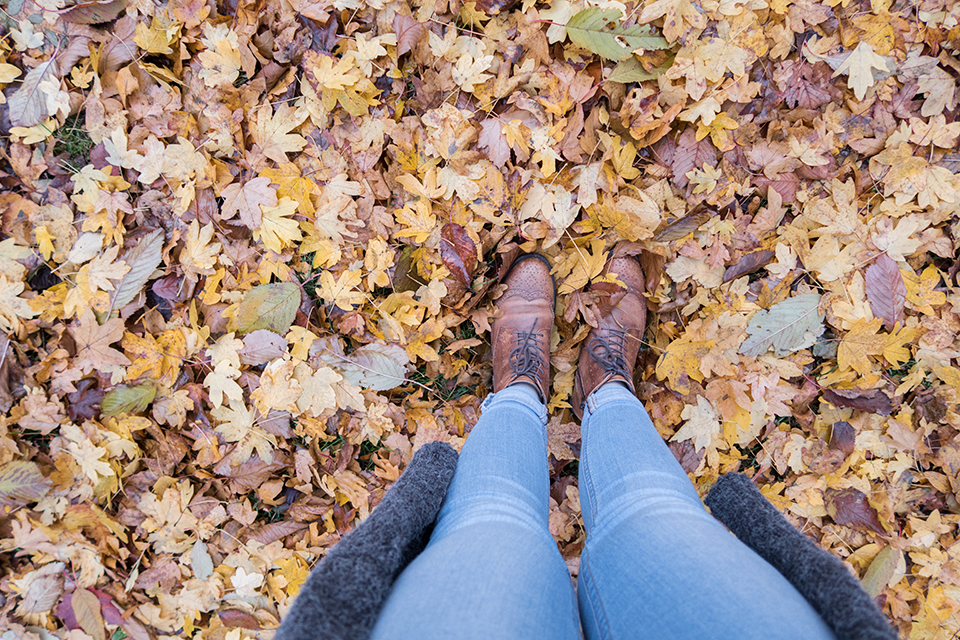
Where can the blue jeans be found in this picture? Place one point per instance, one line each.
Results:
(656, 565)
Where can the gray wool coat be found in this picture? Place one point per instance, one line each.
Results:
(346, 590)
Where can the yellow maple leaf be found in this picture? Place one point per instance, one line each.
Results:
(44, 241)
(859, 67)
(293, 185)
(238, 424)
(680, 363)
(418, 344)
(632, 218)
(158, 37)
(860, 342)
(221, 59)
(221, 383)
(719, 130)
(273, 131)
(277, 230)
(94, 340)
(583, 264)
(199, 255)
(418, 219)
(341, 292)
(300, 341)
(894, 347)
(158, 358)
(319, 395)
(921, 290)
(278, 388)
(701, 426)
(13, 307)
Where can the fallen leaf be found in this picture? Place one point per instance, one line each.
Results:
(786, 327)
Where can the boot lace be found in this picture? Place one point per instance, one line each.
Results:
(610, 352)
(526, 355)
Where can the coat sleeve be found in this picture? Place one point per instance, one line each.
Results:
(820, 577)
(346, 590)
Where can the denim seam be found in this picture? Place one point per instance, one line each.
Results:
(591, 491)
(594, 600)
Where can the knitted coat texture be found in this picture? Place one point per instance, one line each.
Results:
(346, 590)
(821, 578)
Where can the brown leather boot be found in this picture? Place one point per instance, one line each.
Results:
(610, 352)
(521, 335)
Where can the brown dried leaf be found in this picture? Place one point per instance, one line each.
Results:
(459, 252)
(750, 263)
(850, 507)
(86, 608)
(886, 291)
(873, 400)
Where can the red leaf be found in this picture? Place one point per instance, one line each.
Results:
(850, 507)
(276, 531)
(459, 252)
(886, 291)
(691, 155)
(874, 400)
(170, 288)
(84, 403)
(843, 437)
(235, 618)
(494, 7)
(408, 32)
(750, 263)
(687, 455)
(786, 184)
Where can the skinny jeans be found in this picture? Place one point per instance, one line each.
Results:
(655, 564)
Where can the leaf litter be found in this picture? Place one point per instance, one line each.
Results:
(250, 254)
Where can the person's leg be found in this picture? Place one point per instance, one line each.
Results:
(491, 569)
(656, 564)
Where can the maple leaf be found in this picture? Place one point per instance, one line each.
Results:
(277, 230)
(680, 16)
(922, 291)
(12, 306)
(273, 131)
(292, 184)
(221, 59)
(319, 395)
(221, 383)
(680, 363)
(94, 340)
(341, 291)
(199, 255)
(859, 343)
(701, 426)
(894, 347)
(859, 67)
(278, 389)
(238, 424)
(246, 199)
(418, 219)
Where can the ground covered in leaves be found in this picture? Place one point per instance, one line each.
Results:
(249, 255)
